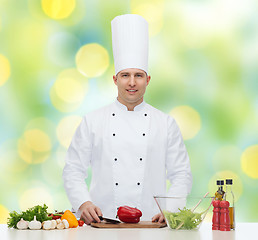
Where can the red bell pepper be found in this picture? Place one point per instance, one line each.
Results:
(128, 214)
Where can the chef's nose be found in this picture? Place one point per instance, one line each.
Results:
(132, 81)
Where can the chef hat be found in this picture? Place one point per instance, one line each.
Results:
(130, 40)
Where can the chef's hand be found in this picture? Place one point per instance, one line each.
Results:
(90, 212)
(158, 218)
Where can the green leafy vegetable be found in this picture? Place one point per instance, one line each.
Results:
(38, 211)
(190, 219)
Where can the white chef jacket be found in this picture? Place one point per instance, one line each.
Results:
(131, 154)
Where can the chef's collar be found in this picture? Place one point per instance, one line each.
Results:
(138, 107)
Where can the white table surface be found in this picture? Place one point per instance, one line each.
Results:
(244, 231)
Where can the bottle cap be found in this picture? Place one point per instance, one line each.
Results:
(229, 181)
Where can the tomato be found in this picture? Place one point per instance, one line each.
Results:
(80, 222)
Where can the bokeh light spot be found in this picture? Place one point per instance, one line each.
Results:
(188, 120)
(35, 145)
(152, 11)
(28, 155)
(24, 151)
(4, 214)
(249, 161)
(71, 86)
(5, 70)
(92, 60)
(43, 124)
(11, 164)
(58, 9)
(66, 87)
(61, 105)
(66, 129)
(35, 196)
(222, 175)
(69, 90)
(37, 140)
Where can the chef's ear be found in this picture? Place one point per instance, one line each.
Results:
(148, 79)
(115, 79)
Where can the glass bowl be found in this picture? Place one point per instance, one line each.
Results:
(184, 213)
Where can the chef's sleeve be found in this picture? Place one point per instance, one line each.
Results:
(177, 162)
(78, 159)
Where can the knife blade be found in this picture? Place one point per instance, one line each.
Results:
(109, 220)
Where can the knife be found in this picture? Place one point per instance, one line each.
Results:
(109, 220)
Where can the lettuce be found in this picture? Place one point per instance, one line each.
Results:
(39, 211)
(189, 219)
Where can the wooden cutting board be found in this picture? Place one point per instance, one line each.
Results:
(141, 224)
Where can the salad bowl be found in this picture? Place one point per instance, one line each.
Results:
(184, 213)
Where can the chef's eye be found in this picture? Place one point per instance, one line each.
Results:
(124, 75)
(139, 75)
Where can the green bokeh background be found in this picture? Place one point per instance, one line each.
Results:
(203, 54)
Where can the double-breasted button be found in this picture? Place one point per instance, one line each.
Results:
(115, 159)
(116, 183)
(140, 159)
(143, 134)
(138, 183)
(113, 114)
(145, 114)
(114, 134)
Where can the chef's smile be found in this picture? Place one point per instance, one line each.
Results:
(131, 91)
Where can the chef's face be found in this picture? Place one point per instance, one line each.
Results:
(131, 84)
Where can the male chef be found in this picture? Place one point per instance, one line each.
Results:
(131, 147)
